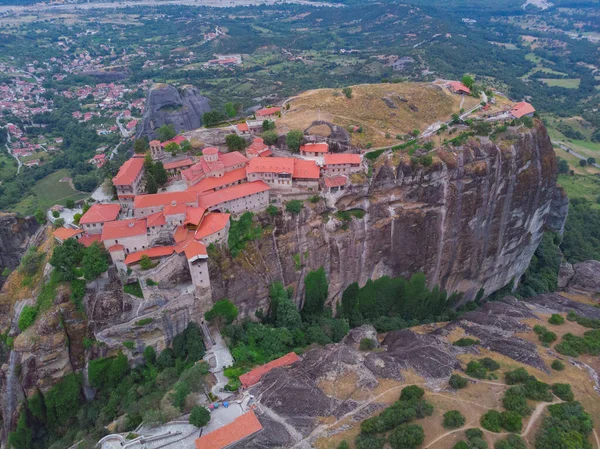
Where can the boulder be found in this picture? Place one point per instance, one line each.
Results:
(586, 277)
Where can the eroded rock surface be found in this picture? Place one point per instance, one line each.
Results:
(586, 277)
(15, 233)
(166, 104)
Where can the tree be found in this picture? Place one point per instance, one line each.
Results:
(151, 186)
(556, 319)
(468, 81)
(69, 204)
(582, 162)
(76, 218)
(172, 147)
(59, 223)
(212, 118)
(364, 441)
(94, 261)
(199, 416)
(186, 146)
(453, 419)
(516, 442)
(149, 355)
(140, 146)
(55, 213)
(235, 142)
(591, 160)
(146, 262)
(563, 391)
(557, 365)
(166, 132)
(293, 206)
(268, 125)
(411, 392)
(457, 382)
(315, 294)
(230, 109)
(65, 258)
(512, 421)
(347, 91)
(224, 309)
(563, 167)
(270, 137)
(294, 140)
(159, 173)
(407, 436)
(343, 445)
(492, 421)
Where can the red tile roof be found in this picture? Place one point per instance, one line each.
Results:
(154, 142)
(315, 148)
(63, 233)
(258, 147)
(202, 168)
(88, 240)
(340, 158)
(335, 181)
(231, 193)
(214, 183)
(267, 111)
(195, 250)
(100, 213)
(187, 162)
(181, 234)
(129, 171)
(194, 215)
(237, 430)
(164, 199)
(254, 376)
(242, 127)
(175, 209)
(521, 109)
(306, 169)
(156, 219)
(177, 139)
(152, 253)
(271, 165)
(123, 228)
(458, 87)
(212, 223)
(116, 248)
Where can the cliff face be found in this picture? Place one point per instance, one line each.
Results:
(15, 233)
(471, 220)
(166, 105)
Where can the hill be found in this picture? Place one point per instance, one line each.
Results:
(383, 110)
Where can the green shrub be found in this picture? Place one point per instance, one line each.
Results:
(151, 283)
(272, 210)
(575, 346)
(544, 334)
(492, 421)
(516, 401)
(466, 342)
(343, 445)
(476, 370)
(473, 433)
(223, 309)
(517, 376)
(87, 342)
(199, 416)
(407, 436)
(457, 382)
(477, 443)
(149, 355)
(512, 421)
(364, 441)
(366, 344)
(134, 289)
(27, 317)
(563, 391)
(557, 365)
(453, 419)
(556, 319)
(179, 394)
(129, 345)
(241, 232)
(144, 321)
(489, 364)
(568, 426)
(411, 392)
(293, 206)
(461, 445)
(511, 442)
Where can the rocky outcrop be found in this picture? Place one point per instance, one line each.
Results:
(470, 221)
(15, 233)
(558, 211)
(586, 277)
(166, 104)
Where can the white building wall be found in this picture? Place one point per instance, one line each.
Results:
(253, 202)
(131, 244)
(93, 228)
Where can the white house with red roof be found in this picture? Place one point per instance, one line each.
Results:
(94, 219)
(458, 88)
(128, 181)
(522, 109)
(268, 113)
(341, 164)
(213, 164)
(314, 150)
(258, 148)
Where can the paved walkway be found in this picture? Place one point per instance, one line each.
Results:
(222, 358)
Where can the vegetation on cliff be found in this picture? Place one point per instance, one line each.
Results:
(156, 391)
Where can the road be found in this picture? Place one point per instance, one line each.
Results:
(11, 153)
(569, 150)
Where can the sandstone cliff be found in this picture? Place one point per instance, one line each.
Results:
(15, 233)
(470, 221)
(167, 105)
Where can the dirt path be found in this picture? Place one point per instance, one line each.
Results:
(597, 439)
(460, 429)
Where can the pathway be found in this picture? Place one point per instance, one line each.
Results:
(223, 358)
(10, 151)
(569, 150)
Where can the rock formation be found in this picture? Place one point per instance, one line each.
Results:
(15, 234)
(166, 104)
(582, 277)
(470, 221)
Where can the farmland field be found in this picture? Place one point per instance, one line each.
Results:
(567, 83)
(47, 192)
